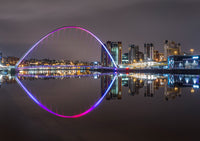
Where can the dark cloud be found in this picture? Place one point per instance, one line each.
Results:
(23, 22)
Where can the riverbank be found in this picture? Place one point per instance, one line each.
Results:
(161, 71)
(127, 70)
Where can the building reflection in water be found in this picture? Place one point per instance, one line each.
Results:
(54, 72)
(171, 85)
(177, 82)
(148, 82)
(6, 79)
(116, 90)
(136, 83)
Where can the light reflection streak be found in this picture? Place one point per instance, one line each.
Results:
(62, 66)
(61, 76)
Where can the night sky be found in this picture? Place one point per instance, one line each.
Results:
(23, 22)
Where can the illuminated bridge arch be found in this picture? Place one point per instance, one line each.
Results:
(66, 27)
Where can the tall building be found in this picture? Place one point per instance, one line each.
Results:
(141, 56)
(105, 59)
(115, 49)
(171, 48)
(156, 55)
(125, 58)
(133, 54)
(148, 51)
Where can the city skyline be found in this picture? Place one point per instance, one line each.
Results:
(132, 22)
(125, 69)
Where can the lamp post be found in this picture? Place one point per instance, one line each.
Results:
(191, 51)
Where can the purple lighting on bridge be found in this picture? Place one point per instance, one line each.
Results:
(64, 116)
(66, 27)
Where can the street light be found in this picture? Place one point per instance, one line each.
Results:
(191, 51)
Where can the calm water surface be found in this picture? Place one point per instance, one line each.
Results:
(136, 107)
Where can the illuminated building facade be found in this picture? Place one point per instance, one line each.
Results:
(125, 59)
(156, 55)
(184, 62)
(115, 49)
(148, 51)
(171, 48)
(10, 61)
(141, 56)
(105, 59)
(133, 54)
(161, 57)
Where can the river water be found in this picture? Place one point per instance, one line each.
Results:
(90, 106)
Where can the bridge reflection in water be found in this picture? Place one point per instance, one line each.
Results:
(112, 85)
